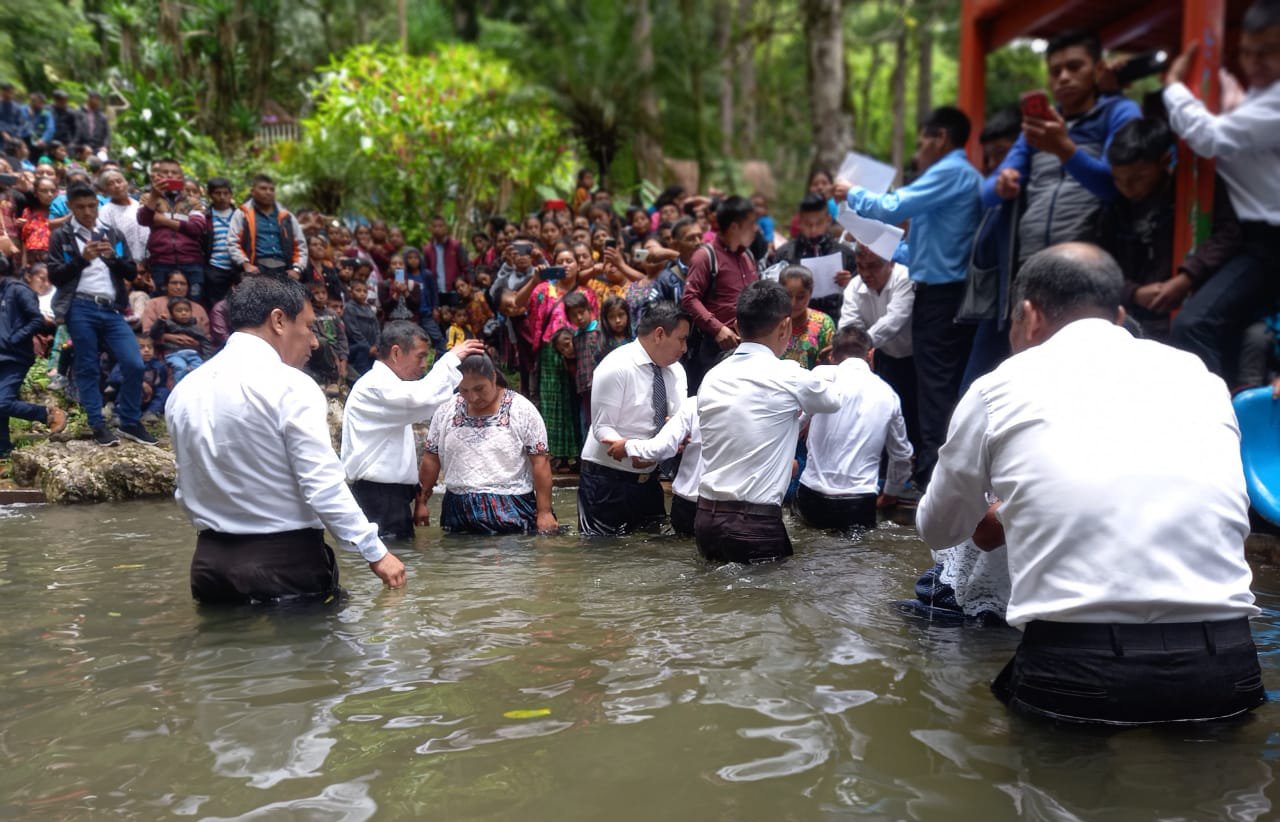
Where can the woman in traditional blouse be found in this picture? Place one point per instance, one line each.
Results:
(491, 445)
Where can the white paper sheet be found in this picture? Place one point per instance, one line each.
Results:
(824, 270)
(867, 172)
(881, 238)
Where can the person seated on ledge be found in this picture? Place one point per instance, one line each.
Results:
(1124, 509)
(491, 444)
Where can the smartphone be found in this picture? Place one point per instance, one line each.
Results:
(175, 184)
(555, 272)
(99, 235)
(1142, 65)
(610, 243)
(1035, 104)
(641, 254)
(400, 275)
(8, 180)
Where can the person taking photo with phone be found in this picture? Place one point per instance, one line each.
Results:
(177, 227)
(1059, 163)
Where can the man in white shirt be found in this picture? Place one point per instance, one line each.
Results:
(879, 301)
(257, 474)
(1245, 142)
(749, 413)
(633, 392)
(838, 486)
(378, 451)
(679, 436)
(1124, 509)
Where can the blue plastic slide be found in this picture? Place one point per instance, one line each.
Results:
(1259, 418)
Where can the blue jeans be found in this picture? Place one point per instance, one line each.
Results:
(11, 377)
(183, 363)
(193, 271)
(94, 328)
(990, 348)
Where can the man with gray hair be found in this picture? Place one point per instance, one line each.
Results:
(377, 423)
(1123, 508)
(257, 475)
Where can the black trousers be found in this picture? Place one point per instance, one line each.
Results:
(236, 569)
(387, 505)
(836, 513)
(1133, 674)
(900, 373)
(940, 347)
(683, 513)
(740, 532)
(612, 503)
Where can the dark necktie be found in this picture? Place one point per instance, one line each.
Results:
(659, 398)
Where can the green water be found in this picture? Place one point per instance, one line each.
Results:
(655, 688)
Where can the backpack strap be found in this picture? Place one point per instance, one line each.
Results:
(713, 266)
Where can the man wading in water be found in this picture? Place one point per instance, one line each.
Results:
(257, 474)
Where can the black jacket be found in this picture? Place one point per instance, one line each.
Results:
(66, 265)
(20, 319)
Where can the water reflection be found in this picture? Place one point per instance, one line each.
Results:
(553, 679)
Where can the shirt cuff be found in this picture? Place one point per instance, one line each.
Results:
(372, 550)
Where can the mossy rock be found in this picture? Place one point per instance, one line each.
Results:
(81, 471)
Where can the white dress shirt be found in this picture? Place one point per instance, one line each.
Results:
(666, 444)
(95, 278)
(124, 218)
(1245, 142)
(622, 402)
(886, 317)
(845, 446)
(1118, 463)
(251, 439)
(749, 412)
(377, 421)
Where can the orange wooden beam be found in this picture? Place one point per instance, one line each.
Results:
(1202, 22)
(972, 91)
(1139, 23)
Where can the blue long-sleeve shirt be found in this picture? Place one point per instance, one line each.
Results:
(944, 206)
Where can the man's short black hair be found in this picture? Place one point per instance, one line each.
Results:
(812, 202)
(733, 209)
(662, 314)
(950, 121)
(1003, 124)
(1085, 39)
(251, 302)
(497, 224)
(1070, 279)
(1262, 15)
(217, 182)
(262, 178)
(1140, 140)
(681, 224)
(761, 306)
(400, 333)
(79, 191)
(851, 343)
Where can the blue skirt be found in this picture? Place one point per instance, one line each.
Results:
(489, 513)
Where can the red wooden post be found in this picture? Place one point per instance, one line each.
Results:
(972, 92)
(1202, 22)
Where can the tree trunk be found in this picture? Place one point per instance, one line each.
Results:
(723, 35)
(824, 33)
(924, 68)
(898, 90)
(691, 12)
(648, 135)
(746, 59)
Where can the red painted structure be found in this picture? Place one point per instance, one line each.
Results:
(1124, 25)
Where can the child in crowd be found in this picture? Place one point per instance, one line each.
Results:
(452, 318)
(328, 363)
(617, 323)
(588, 349)
(155, 381)
(183, 343)
(361, 322)
(473, 307)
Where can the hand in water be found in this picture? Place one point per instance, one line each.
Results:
(547, 523)
(390, 570)
(421, 514)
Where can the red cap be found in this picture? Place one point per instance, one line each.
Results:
(554, 205)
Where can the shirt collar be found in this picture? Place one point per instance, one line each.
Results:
(753, 348)
(639, 355)
(242, 342)
(855, 364)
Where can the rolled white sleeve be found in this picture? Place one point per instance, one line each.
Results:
(1250, 127)
(956, 500)
(320, 475)
(666, 443)
(405, 402)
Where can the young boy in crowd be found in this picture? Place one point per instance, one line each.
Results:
(328, 363)
(155, 381)
(1137, 227)
(361, 322)
(452, 318)
(172, 335)
(220, 272)
(473, 307)
(588, 348)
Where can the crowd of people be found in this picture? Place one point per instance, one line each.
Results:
(682, 339)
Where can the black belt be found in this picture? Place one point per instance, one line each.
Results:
(841, 497)
(715, 506)
(596, 469)
(301, 533)
(105, 302)
(1150, 636)
(938, 286)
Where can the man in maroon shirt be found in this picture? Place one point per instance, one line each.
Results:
(712, 302)
(177, 225)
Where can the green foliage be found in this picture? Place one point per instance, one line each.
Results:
(157, 122)
(405, 136)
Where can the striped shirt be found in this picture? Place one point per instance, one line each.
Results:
(219, 257)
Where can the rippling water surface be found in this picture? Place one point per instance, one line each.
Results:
(523, 679)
